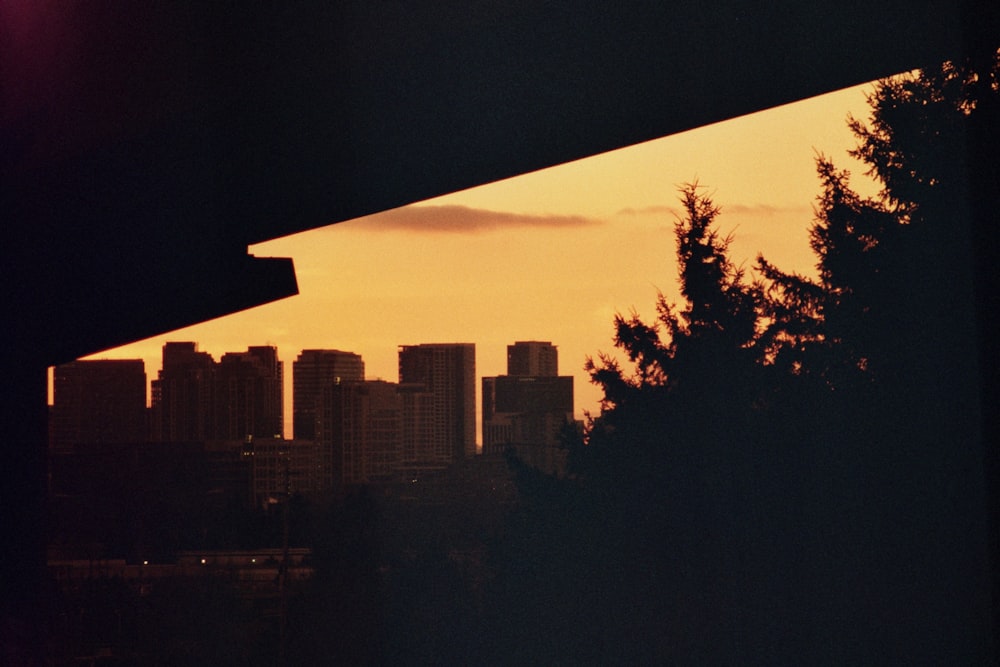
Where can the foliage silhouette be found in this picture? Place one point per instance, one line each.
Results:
(692, 361)
(774, 446)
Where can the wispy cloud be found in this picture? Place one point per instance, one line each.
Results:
(648, 210)
(763, 210)
(464, 220)
(760, 210)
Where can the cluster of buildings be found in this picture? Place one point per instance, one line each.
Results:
(347, 430)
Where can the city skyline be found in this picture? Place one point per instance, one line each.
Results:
(550, 255)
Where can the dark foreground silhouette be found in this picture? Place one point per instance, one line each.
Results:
(785, 471)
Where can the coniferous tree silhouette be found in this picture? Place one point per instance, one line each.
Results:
(775, 446)
(893, 269)
(695, 361)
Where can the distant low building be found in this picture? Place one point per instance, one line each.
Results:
(280, 468)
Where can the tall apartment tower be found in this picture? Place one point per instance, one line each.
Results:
(360, 431)
(313, 371)
(533, 359)
(439, 385)
(196, 399)
(248, 395)
(527, 409)
(99, 401)
(183, 395)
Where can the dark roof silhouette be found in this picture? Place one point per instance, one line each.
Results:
(144, 148)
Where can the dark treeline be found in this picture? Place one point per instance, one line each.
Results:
(788, 469)
(785, 470)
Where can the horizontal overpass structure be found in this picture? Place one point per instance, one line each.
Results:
(145, 147)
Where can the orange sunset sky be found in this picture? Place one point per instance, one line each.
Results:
(550, 255)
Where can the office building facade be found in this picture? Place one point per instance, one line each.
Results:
(312, 372)
(248, 395)
(182, 395)
(360, 431)
(533, 359)
(438, 381)
(527, 413)
(195, 399)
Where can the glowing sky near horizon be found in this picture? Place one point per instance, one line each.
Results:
(551, 255)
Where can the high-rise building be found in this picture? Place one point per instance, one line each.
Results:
(248, 395)
(99, 401)
(360, 428)
(183, 401)
(196, 399)
(533, 359)
(438, 381)
(312, 371)
(528, 412)
(420, 450)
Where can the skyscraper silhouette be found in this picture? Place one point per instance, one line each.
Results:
(526, 409)
(532, 359)
(248, 395)
(182, 394)
(196, 399)
(438, 381)
(360, 430)
(313, 371)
